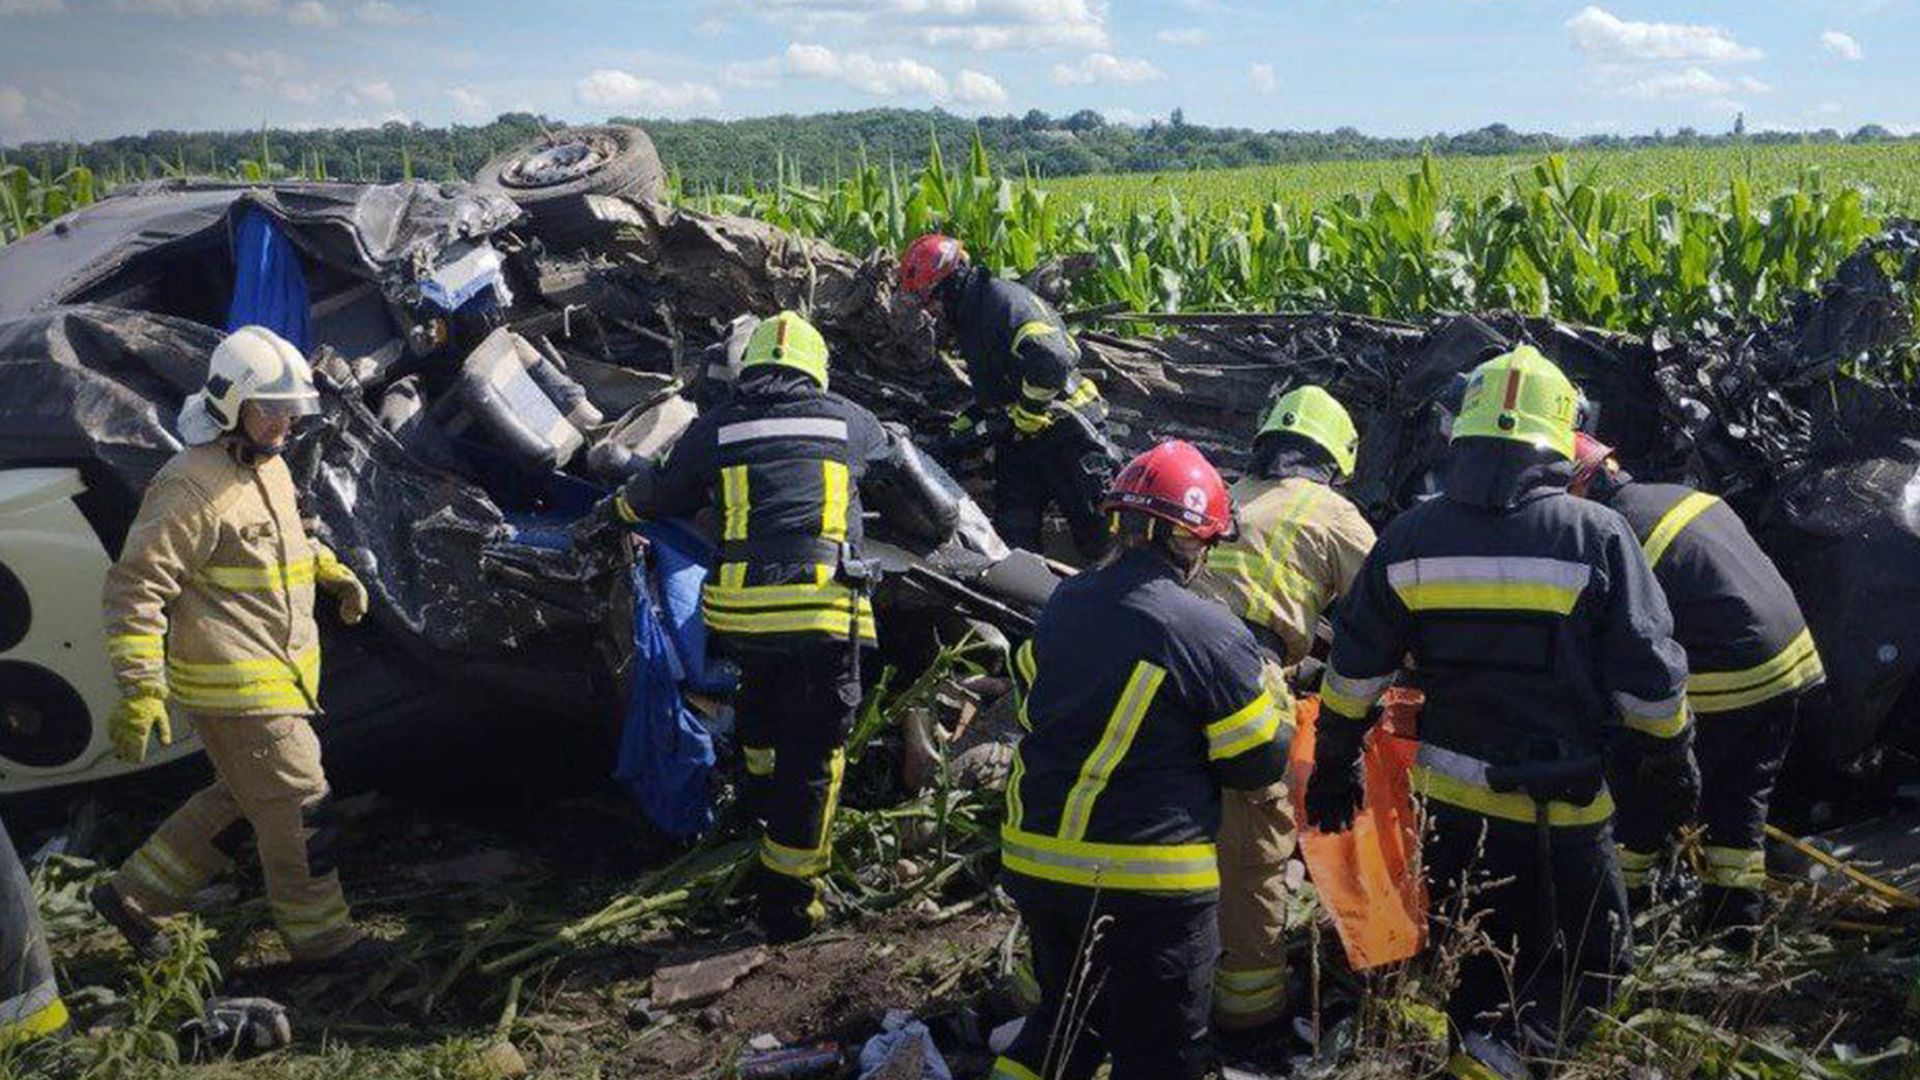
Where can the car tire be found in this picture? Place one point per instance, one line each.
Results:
(553, 171)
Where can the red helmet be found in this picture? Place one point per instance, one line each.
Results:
(1590, 456)
(929, 261)
(1175, 482)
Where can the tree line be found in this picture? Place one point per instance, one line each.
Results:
(708, 155)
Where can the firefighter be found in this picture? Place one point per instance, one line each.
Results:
(209, 616)
(1545, 647)
(781, 461)
(1300, 545)
(1045, 421)
(30, 1003)
(1142, 700)
(1750, 659)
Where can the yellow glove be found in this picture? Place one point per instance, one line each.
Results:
(1028, 421)
(134, 717)
(333, 576)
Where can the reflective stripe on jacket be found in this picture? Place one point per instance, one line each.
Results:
(1143, 700)
(781, 463)
(1746, 639)
(212, 596)
(1300, 546)
(1533, 622)
(1017, 349)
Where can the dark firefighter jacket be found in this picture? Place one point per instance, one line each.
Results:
(1535, 627)
(781, 461)
(1745, 637)
(1017, 351)
(1143, 699)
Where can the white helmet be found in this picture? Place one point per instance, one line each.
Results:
(251, 364)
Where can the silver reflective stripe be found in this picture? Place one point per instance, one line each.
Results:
(1467, 770)
(797, 427)
(1366, 690)
(15, 1009)
(1104, 864)
(1514, 568)
(1651, 710)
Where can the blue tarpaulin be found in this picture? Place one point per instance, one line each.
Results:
(666, 757)
(269, 287)
(681, 556)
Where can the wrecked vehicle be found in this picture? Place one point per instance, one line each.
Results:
(496, 356)
(487, 378)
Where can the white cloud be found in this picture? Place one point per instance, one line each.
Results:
(188, 9)
(1754, 86)
(612, 89)
(312, 13)
(381, 13)
(375, 91)
(470, 104)
(752, 73)
(977, 25)
(1188, 36)
(1602, 35)
(1692, 82)
(978, 88)
(898, 77)
(1103, 67)
(29, 7)
(1265, 79)
(272, 72)
(1841, 45)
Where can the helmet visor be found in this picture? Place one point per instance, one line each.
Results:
(288, 408)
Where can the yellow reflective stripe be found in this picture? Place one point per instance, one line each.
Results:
(1273, 571)
(1796, 666)
(760, 596)
(1083, 393)
(1242, 995)
(163, 872)
(735, 502)
(264, 683)
(1672, 522)
(837, 770)
(1253, 724)
(1032, 328)
(759, 760)
(1734, 868)
(1350, 697)
(733, 575)
(1037, 394)
(1122, 725)
(1661, 719)
(39, 1023)
(1636, 867)
(810, 862)
(1023, 662)
(1025, 672)
(1130, 867)
(1008, 1069)
(257, 578)
(1016, 809)
(303, 923)
(625, 509)
(1489, 583)
(833, 514)
(790, 622)
(136, 646)
(1507, 805)
(230, 672)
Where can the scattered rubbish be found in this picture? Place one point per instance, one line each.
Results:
(702, 981)
(782, 1062)
(237, 1028)
(904, 1050)
(1002, 1037)
(503, 1061)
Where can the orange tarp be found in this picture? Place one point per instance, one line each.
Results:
(1369, 876)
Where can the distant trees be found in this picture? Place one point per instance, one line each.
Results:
(731, 154)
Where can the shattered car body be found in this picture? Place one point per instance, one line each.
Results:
(106, 318)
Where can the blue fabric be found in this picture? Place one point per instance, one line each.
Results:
(269, 287)
(682, 556)
(666, 756)
(900, 1030)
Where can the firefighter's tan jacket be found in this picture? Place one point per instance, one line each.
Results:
(1300, 545)
(211, 603)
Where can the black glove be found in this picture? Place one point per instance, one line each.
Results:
(1337, 788)
(603, 521)
(1662, 780)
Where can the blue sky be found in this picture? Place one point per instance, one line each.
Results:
(91, 68)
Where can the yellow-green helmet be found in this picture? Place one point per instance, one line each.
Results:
(1317, 416)
(1522, 397)
(790, 341)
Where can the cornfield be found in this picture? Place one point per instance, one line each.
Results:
(1541, 240)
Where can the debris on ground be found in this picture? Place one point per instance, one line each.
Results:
(698, 982)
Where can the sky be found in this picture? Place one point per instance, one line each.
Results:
(85, 69)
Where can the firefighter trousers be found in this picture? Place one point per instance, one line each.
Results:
(796, 706)
(1069, 465)
(1138, 994)
(1741, 755)
(1257, 837)
(1565, 958)
(267, 775)
(30, 1005)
